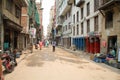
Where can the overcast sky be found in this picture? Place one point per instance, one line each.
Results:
(46, 4)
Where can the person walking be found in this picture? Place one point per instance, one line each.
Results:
(40, 44)
(54, 44)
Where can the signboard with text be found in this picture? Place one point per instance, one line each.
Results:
(33, 32)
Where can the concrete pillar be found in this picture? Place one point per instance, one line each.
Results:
(1, 35)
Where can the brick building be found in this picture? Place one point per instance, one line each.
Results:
(40, 11)
(24, 36)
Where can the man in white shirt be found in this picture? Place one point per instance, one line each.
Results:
(54, 44)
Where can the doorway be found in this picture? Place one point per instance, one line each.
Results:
(112, 42)
(15, 39)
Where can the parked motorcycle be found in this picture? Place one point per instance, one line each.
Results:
(36, 46)
(1, 72)
(8, 62)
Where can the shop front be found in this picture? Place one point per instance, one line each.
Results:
(67, 42)
(11, 35)
(79, 42)
(93, 43)
(112, 43)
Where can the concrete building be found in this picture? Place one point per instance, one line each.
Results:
(110, 17)
(51, 23)
(24, 36)
(87, 30)
(10, 26)
(34, 21)
(40, 11)
(59, 22)
(81, 24)
(63, 22)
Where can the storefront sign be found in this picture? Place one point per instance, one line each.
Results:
(33, 32)
(104, 44)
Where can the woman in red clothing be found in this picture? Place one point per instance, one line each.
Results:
(40, 44)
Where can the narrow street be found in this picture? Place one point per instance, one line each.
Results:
(59, 65)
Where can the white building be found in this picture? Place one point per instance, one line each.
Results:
(80, 24)
(64, 20)
(51, 22)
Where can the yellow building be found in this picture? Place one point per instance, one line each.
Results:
(110, 10)
(11, 23)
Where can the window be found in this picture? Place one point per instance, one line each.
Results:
(109, 19)
(69, 27)
(77, 16)
(66, 27)
(74, 2)
(96, 5)
(66, 17)
(96, 23)
(69, 13)
(9, 5)
(82, 28)
(82, 12)
(73, 30)
(74, 18)
(77, 29)
(88, 26)
(88, 9)
(17, 12)
(63, 29)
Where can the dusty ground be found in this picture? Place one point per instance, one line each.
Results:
(59, 65)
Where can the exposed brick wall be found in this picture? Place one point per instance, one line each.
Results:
(24, 21)
(24, 10)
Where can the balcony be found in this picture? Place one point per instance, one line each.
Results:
(59, 21)
(64, 7)
(79, 2)
(106, 4)
(70, 2)
(59, 33)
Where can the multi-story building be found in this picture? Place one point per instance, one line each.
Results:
(58, 20)
(87, 31)
(34, 21)
(17, 19)
(40, 11)
(10, 27)
(64, 21)
(110, 16)
(30, 23)
(24, 36)
(80, 22)
(51, 23)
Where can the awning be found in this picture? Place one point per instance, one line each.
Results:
(13, 25)
(94, 33)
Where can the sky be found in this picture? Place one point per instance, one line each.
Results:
(46, 5)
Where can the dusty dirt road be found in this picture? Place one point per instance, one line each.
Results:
(60, 65)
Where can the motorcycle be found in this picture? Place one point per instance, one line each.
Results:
(36, 46)
(8, 62)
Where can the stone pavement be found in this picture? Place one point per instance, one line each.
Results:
(87, 56)
(59, 65)
(79, 54)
